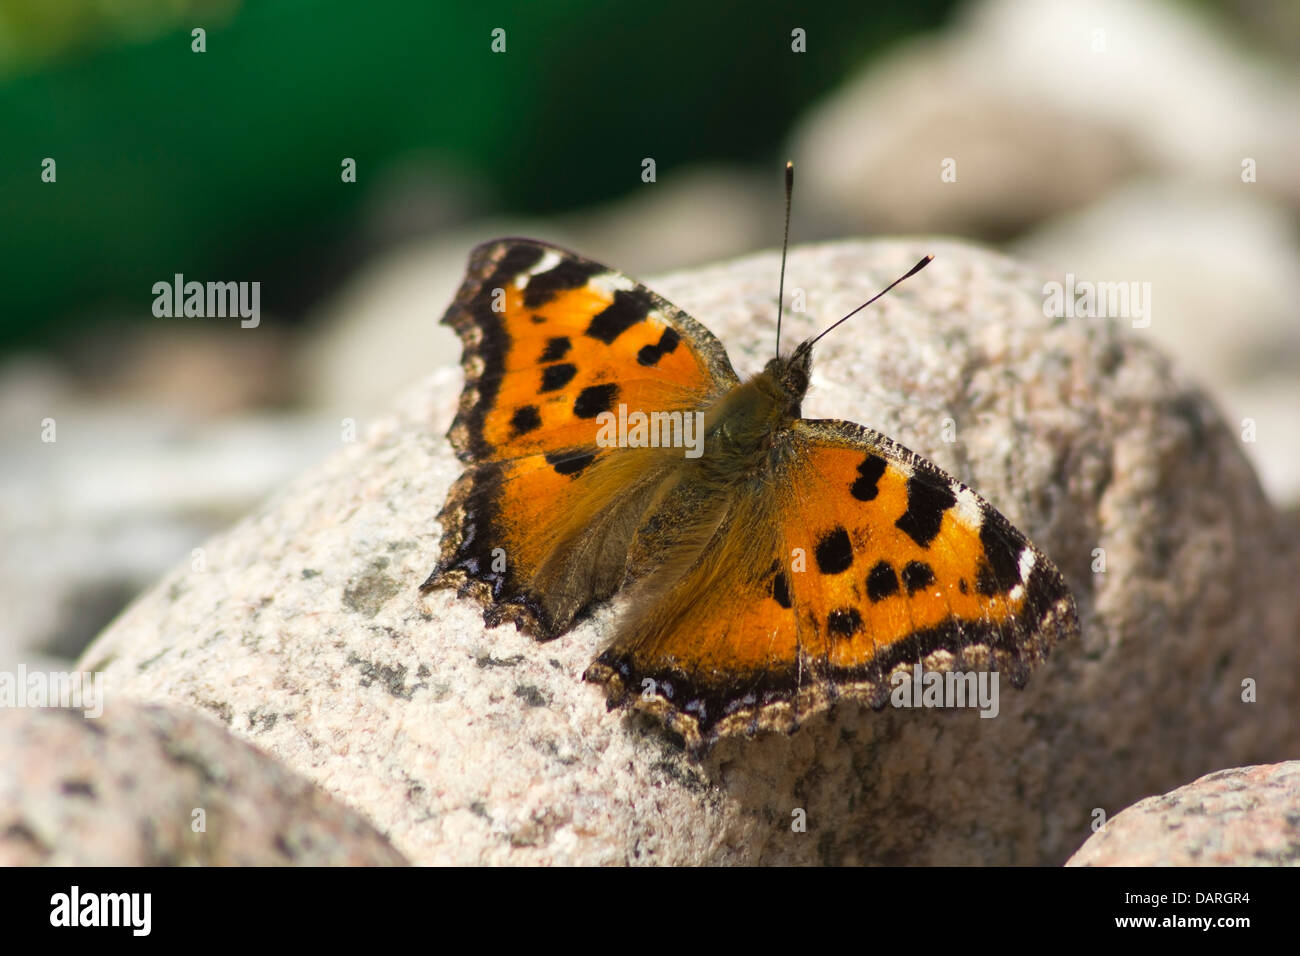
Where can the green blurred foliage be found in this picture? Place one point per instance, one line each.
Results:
(225, 164)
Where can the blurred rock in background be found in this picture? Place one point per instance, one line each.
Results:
(132, 482)
(1225, 296)
(1045, 106)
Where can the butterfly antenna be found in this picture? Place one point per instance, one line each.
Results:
(906, 275)
(785, 244)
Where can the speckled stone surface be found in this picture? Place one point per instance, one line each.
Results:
(149, 785)
(1242, 817)
(304, 631)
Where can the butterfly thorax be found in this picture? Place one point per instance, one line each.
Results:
(742, 426)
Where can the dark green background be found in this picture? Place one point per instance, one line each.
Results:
(227, 163)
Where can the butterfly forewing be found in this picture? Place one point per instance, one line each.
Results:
(551, 340)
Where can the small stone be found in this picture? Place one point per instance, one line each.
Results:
(1247, 816)
(152, 785)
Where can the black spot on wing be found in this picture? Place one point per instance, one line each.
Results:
(781, 590)
(917, 575)
(926, 503)
(869, 472)
(834, 552)
(1000, 570)
(628, 308)
(545, 286)
(525, 419)
(555, 377)
(569, 462)
(594, 399)
(556, 349)
(881, 582)
(844, 622)
(651, 354)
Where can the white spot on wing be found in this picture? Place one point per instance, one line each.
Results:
(549, 260)
(967, 507)
(611, 282)
(1027, 559)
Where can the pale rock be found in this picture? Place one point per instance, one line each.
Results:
(1248, 816)
(147, 785)
(1044, 106)
(1221, 269)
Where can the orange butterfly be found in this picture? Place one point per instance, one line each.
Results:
(775, 563)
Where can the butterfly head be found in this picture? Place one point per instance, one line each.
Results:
(788, 375)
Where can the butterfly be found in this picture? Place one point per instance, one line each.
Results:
(773, 564)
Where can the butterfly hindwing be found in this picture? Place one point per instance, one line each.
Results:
(703, 641)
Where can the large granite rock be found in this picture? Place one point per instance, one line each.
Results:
(304, 631)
